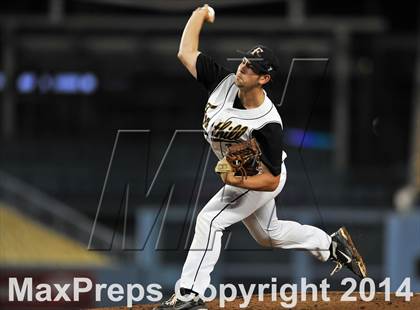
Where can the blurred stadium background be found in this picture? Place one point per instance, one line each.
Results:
(74, 72)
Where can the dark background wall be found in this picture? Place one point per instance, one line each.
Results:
(61, 141)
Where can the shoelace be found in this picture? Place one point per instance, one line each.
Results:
(339, 264)
(171, 301)
(337, 268)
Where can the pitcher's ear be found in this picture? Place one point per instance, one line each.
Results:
(265, 79)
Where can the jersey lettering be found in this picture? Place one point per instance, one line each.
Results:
(224, 130)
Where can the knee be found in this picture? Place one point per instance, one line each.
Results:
(206, 220)
(202, 220)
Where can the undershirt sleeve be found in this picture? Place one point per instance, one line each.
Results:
(270, 140)
(209, 73)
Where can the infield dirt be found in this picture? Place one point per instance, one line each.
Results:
(335, 303)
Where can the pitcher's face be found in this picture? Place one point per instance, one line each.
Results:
(247, 75)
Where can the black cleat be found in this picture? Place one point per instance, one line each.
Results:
(194, 303)
(344, 253)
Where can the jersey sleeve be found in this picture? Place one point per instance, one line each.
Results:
(270, 140)
(209, 73)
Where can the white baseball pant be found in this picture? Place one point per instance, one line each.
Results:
(256, 209)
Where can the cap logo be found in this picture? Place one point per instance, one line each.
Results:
(257, 51)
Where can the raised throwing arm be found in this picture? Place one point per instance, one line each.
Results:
(188, 48)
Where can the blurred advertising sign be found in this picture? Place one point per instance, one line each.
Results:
(64, 83)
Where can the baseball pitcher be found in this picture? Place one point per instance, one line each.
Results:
(245, 132)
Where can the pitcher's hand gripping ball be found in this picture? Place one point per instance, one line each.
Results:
(211, 14)
(243, 159)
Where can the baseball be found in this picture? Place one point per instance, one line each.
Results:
(211, 13)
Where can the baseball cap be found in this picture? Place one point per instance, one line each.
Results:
(262, 58)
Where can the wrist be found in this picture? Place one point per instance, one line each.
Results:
(232, 180)
(200, 13)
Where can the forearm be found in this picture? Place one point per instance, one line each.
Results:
(188, 48)
(191, 34)
(261, 182)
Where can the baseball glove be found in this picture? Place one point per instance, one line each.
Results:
(244, 159)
